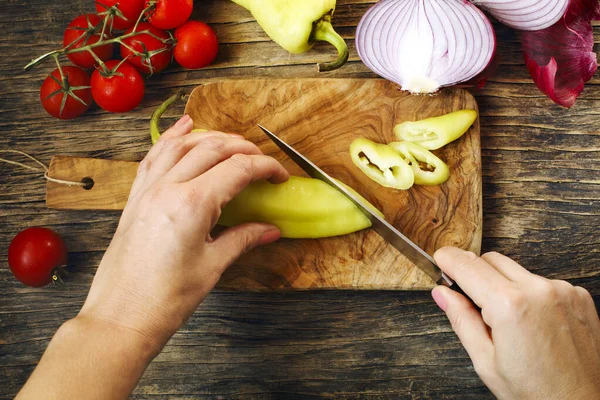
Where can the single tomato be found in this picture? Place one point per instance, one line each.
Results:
(119, 88)
(155, 54)
(82, 31)
(123, 13)
(197, 45)
(35, 255)
(169, 14)
(67, 96)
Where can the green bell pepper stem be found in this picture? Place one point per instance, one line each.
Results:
(323, 31)
(154, 128)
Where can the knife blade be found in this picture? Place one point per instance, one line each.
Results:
(386, 230)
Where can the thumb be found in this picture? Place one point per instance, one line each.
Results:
(240, 239)
(469, 326)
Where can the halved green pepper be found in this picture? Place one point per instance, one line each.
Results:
(297, 24)
(382, 164)
(433, 133)
(300, 208)
(427, 167)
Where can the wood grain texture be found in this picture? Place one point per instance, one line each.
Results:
(541, 204)
(321, 118)
(112, 182)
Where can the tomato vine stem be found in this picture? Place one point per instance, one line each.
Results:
(102, 41)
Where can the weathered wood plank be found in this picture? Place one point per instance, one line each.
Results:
(541, 205)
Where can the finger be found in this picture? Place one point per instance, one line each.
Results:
(512, 270)
(468, 324)
(227, 179)
(240, 239)
(479, 280)
(175, 148)
(208, 153)
(586, 302)
(182, 127)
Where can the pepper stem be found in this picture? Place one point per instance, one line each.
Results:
(323, 31)
(154, 129)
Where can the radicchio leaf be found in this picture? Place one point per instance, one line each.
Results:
(560, 58)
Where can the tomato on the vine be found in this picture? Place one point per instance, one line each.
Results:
(66, 96)
(119, 87)
(169, 14)
(82, 31)
(155, 54)
(197, 45)
(125, 13)
(35, 255)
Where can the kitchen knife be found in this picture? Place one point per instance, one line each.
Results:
(390, 234)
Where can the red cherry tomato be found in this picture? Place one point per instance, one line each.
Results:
(156, 55)
(82, 31)
(169, 14)
(130, 9)
(121, 90)
(197, 45)
(75, 84)
(35, 254)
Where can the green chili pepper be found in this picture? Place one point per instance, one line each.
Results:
(427, 167)
(433, 133)
(382, 164)
(297, 24)
(157, 114)
(300, 208)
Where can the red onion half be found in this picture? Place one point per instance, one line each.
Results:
(424, 45)
(526, 15)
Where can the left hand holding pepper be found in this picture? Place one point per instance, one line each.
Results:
(163, 261)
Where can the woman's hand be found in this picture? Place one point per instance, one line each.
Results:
(534, 338)
(163, 261)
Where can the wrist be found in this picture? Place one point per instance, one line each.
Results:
(129, 343)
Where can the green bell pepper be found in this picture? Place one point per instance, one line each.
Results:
(433, 133)
(297, 24)
(382, 164)
(300, 208)
(427, 167)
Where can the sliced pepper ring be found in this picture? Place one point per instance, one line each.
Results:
(436, 132)
(382, 164)
(427, 167)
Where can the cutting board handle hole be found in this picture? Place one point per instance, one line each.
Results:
(88, 183)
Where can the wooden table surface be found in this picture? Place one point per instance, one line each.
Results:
(541, 185)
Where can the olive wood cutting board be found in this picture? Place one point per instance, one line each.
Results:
(321, 117)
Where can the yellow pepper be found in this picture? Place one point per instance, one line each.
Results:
(300, 208)
(382, 164)
(297, 24)
(427, 167)
(433, 133)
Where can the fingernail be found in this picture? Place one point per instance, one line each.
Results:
(269, 236)
(439, 298)
(182, 121)
(235, 135)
